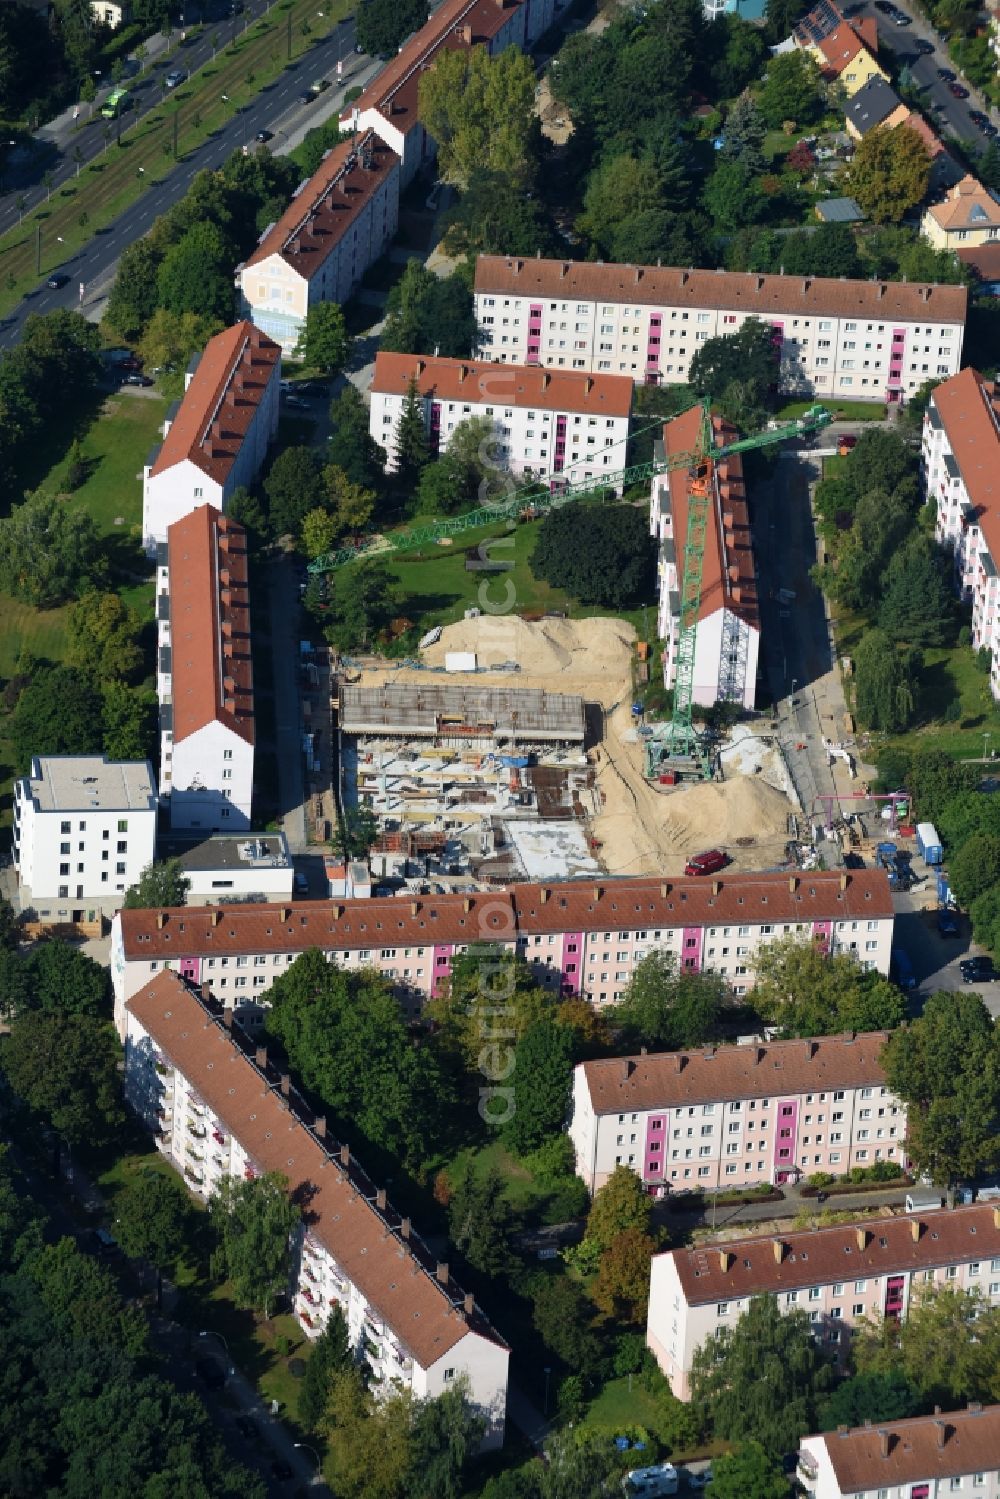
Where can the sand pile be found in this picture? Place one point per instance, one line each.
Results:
(588, 656)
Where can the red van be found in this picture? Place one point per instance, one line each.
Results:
(707, 863)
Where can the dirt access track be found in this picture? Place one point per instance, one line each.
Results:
(642, 828)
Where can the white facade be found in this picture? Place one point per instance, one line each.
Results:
(223, 868)
(218, 438)
(581, 939)
(211, 780)
(199, 1121)
(820, 1117)
(84, 830)
(960, 463)
(549, 426)
(339, 223)
(926, 1457)
(880, 344)
(836, 1275)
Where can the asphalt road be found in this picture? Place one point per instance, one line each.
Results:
(24, 172)
(946, 113)
(935, 958)
(276, 108)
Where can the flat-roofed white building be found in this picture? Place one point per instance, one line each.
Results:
(727, 642)
(733, 1116)
(220, 1109)
(581, 937)
(338, 224)
(389, 104)
(84, 830)
(218, 438)
(867, 340)
(225, 868)
(924, 1457)
(205, 674)
(835, 1275)
(960, 463)
(549, 424)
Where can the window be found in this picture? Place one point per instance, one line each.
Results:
(449, 1374)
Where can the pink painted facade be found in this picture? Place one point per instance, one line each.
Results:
(572, 962)
(657, 1135)
(783, 1163)
(443, 954)
(691, 948)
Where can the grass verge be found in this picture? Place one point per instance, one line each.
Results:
(145, 154)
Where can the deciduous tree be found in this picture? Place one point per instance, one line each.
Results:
(946, 1067)
(160, 884)
(480, 111)
(541, 1084)
(103, 637)
(884, 689)
(132, 300)
(66, 1068)
(947, 1347)
(129, 719)
(324, 343)
(480, 1220)
(197, 274)
(879, 1396)
(889, 173)
(57, 714)
(153, 1219)
(362, 603)
(619, 1205)
(663, 1007)
(331, 1355)
(294, 486)
(918, 604)
(351, 447)
(790, 90)
(806, 991)
(383, 24)
(254, 1222)
(622, 1285)
(599, 554)
(59, 979)
(169, 340)
(425, 311)
(760, 1379)
(49, 553)
(747, 1473)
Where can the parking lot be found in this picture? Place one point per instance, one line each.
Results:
(935, 959)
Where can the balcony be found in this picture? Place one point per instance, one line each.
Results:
(197, 1130)
(192, 1154)
(164, 1069)
(219, 1137)
(219, 1161)
(198, 1177)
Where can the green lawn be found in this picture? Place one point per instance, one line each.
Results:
(115, 447)
(623, 1403)
(843, 411)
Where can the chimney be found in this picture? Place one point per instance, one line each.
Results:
(644, 1051)
(811, 1050)
(544, 894)
(338, 912)
(466, 905)
(761, 1053)
(629, 1068)
(881, 290)
(470, 1301)
(319, 1126)
(793, 884)
(638, 274)
(844, 879)
(467, 35)
(861, 1236)
(345, 1155)
(420, 366)
(664, 890)
(725, 1260)
(916, 1229)
(462, 372)
(285, 913)
(161, 919)
(678, 1060)
(442, 1272)
(684, 277)
(716, 887)
(884, 1442)
(564, 269)
(546, 380)
(260, 1057)
(380, 1199)
(598, 892)
(286, 1084)
(216, 916)
(404, 1229)
(996, 1217)
(588, 385)
(227, 1018)
(414, 907)
(941, 1432)
(778, 1250)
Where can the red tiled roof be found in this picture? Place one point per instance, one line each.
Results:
(969, 408)
(574, 906)
(504, 384)
(755, 295)
(457, 25)
(916, 122)
(933, 1448)
(840, 47)
(365, 1241)
(327, 205)
(982, 260)
(728, 574)
(734, 1268)
(666, 1080)
(210, 668)
(220, 403)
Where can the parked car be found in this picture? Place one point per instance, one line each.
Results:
(899, 19)
(947, 75)
(885, 6)
(319, 86)
(947, 922)
(925, 48)
(977, 970)
(699, 1480)
(707, 863)
(263, 136)
(57, 280)
(901, 969)
(136, 377)
(130, 362)
(296, 403)
(175, 78)
(958, 91)
(660, 1479)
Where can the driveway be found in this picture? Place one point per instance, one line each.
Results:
(284, 612)
(935, 958)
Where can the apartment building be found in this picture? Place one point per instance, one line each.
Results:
(338, 224)
(389, 104)
(84, 830)
(737, 1115)
(836, 1275)
(924, 1457)
(218, 437)
(728, 635)
(220, 1109)
(548, 424)
(581, 938)
(967, 217)
(204, 677)
(960, 465)
(875, 340)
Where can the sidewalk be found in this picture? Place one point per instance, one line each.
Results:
(60, 131)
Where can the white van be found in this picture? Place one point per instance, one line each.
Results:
(663, 1478)
(923, 1202)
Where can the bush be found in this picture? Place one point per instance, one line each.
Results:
(629, 1355)
(820, 1179)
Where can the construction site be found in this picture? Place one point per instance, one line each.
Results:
(482, 775)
